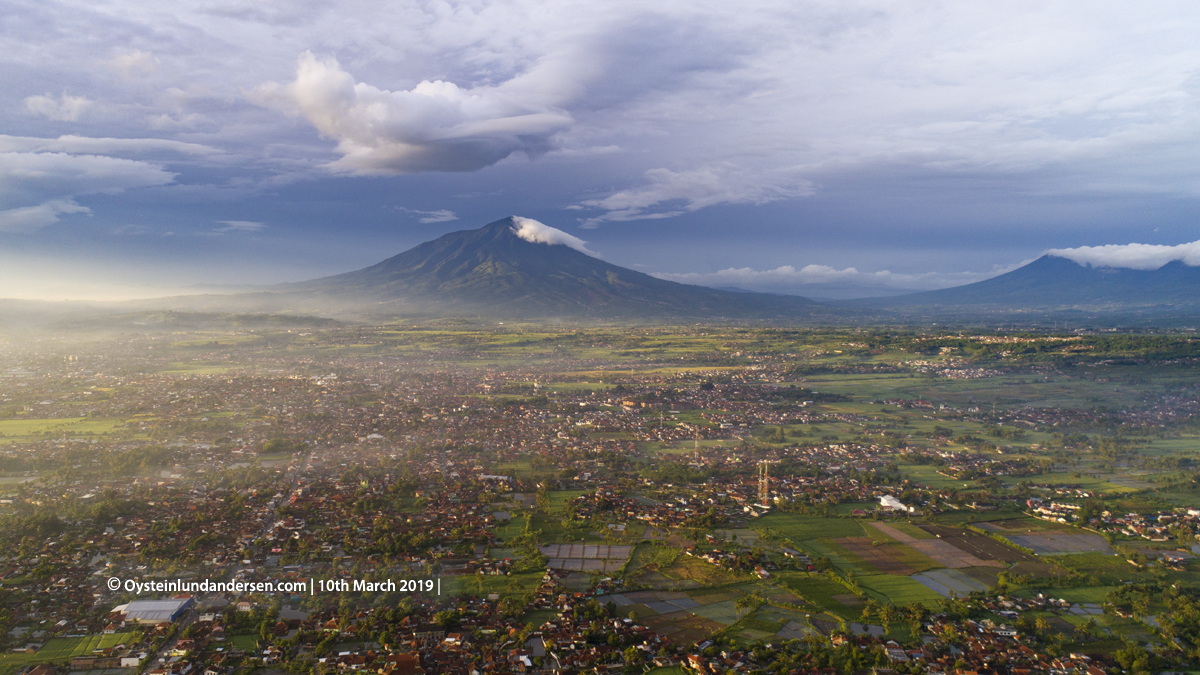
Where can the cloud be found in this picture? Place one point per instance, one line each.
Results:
(28, 219)
(539, 233)
(435, 126)
(134, 63)
(669, 193)
(826, 280)
(439, 216)
(85, 145)
(36, 188)
(46, 176)
(240, 226)
(1131, 256)
(65, 108)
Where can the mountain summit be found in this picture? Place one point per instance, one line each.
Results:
(520, 267)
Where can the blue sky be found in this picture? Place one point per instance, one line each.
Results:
(821, 148)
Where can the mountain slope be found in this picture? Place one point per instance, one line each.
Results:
(1053, 283)
(494, 271)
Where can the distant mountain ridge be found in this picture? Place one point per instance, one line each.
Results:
(1054, 283)
(494, 271)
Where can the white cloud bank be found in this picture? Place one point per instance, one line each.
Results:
(1131, 256)
(539, 233)
(826, 280)
(40, 178)
(36, 188)
(435, 126)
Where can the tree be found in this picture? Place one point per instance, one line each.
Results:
(633, 655)
(1134, 657)
(752, 601)
(447, 619)
(887, 614)
(870, 610)
(277, 445)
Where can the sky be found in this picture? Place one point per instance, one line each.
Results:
(828, 149)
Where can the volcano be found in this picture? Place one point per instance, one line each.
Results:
(518, 267)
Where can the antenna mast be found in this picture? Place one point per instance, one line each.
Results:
(764, 482)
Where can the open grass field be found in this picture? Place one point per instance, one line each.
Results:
(1185, 445)
(510, 529)
(798, 528)
(578, 386)
(1105, 569)
(822, 593)
(538, 617)
(909, 529)
(845, 509)
(62, 426)
(247, 643)
(898, 590)
(960, 518)
(1084, 480)
(553, 531)
(702, 573)
(218, 341)
(1092, 594)
(61, 650)
(840, 556)
(756, 626)
(928, 476)
(650, 557)
(512, 585)
(866, 386)
(843, 559)
(192, 368)
(1023, 525)
(560, 498)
